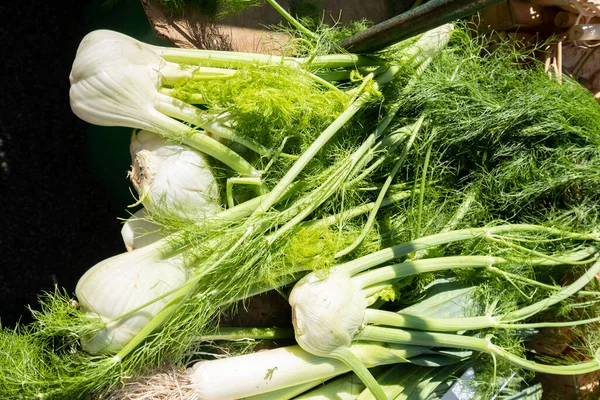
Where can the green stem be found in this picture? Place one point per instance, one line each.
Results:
(422, 189)
(234, 334)
(317, 145)
(309, 154)
(508, 244)
(399, 320)
(169, 106)
(193, 115)
(433, 339)
(373, 213)
(293, 21)
(357, 211)
(426, 242)
(559, 296)
(308, 205)
(414, 267)
(228, 59)
(346, 355)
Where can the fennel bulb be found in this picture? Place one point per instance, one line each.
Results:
(138, 231)
(172, 179)
(127, 291)
(115, 81)
(336, 301)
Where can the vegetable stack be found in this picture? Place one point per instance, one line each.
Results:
(424, 210)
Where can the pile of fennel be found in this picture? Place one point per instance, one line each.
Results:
(360, 185)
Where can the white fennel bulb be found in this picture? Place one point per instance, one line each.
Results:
(172, 179)
(115, 80)
(327, 312)
(115, 288)
(138, 231)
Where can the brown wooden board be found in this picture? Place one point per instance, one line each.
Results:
(248, 31)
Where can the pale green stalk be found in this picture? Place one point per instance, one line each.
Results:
(395, 272)
(180, 295)
(229, 59)
(272, 370)
(422, 190)
(388, 254)
(434, 339)
(193, 115)
(373, 213)
(176, 130)
(356, 211)
(325, 190)
(239, 334)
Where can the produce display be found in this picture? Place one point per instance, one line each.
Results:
(422, 211)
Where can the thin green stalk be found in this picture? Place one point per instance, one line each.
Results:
(346, 355)
(324, 191)
(558, 296)
(293, 21)
(316, 146)
(179, 296)
(422, 190)
(309, 154)
(506, 243)
(357, 211)
(434, 339)
(426, 242)
(373, 213)
(533, 282)
(200, 141)
(188, 113)
(414, 267)
(389, 145)
(460, 212)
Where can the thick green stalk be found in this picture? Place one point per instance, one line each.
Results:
(176, 130)
(185, 112)
(228, 59)
(414, 267)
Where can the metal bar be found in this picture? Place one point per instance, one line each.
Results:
(413, 22)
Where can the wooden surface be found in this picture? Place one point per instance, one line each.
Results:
(247, 31)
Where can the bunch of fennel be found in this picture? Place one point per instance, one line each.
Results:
(220, 258)
(355, 175)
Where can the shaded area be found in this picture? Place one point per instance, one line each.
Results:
(58, 211)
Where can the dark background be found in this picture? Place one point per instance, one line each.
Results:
(63, 183)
